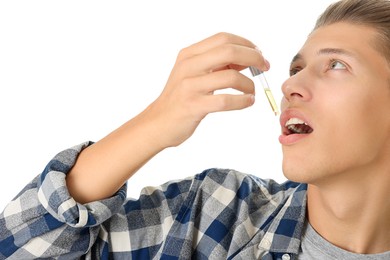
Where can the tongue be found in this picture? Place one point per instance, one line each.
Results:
(303, 129)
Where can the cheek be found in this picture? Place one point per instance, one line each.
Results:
(355, 134)
(283, 103)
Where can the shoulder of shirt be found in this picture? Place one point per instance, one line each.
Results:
(235, 180)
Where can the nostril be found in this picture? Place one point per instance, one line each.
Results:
(296, 94)
(292, 95)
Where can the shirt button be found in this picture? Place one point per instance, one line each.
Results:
(286, 257)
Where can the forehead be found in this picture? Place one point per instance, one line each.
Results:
(358, 41)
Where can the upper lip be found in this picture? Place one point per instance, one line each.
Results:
(292, 113)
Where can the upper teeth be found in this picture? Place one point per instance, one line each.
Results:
(294, 121)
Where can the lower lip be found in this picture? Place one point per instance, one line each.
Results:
(291, 139)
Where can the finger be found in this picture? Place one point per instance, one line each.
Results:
(224, 79)
(212, 42)
(222, 57)
(227, 102)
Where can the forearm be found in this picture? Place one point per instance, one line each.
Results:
(105, 166)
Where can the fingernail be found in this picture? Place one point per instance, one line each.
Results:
(267, 64)
(252, 99)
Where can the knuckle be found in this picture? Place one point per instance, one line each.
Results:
(181, 66)
(183, 54)
(229, 51)
(232, 76)
(224, 37)
(222, 103)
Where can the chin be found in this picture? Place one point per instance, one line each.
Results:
(295, 177)
(296, 172)
(307, 171)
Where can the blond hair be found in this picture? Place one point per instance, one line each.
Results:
(371, 13)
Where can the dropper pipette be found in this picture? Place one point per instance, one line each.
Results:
(256, 73)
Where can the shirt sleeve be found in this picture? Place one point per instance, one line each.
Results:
(45, 221)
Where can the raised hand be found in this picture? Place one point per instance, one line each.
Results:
(200, 70)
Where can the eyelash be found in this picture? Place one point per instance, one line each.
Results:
(297, 69)
(294, 71)
(333, 61)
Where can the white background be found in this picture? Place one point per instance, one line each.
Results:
(72, 71)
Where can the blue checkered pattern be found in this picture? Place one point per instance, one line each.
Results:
(217, 214)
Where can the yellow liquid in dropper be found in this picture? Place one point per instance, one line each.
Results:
(271, 100)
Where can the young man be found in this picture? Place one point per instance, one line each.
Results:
(336, 144)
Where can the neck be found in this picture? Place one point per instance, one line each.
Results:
(352, 212)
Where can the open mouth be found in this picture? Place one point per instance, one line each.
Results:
(297, 126)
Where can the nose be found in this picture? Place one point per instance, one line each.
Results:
(295, 89)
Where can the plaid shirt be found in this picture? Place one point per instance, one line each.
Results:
(217, 214)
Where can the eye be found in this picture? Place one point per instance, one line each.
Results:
(337, 65)
(295, 70)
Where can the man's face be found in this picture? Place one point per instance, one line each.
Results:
(340, 88)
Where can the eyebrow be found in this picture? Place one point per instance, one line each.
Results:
(326, 51)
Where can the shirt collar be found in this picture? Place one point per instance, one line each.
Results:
(284, 231)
